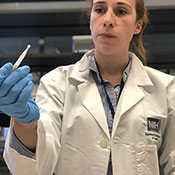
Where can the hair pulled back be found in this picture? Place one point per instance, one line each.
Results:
(137, 41)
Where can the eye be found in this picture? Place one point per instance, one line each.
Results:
(120, 12)
(99, 10)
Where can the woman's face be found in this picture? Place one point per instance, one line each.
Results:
(113, 24)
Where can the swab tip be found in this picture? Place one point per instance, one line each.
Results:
(29, 46)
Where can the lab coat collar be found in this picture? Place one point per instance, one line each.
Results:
(138, 72)
(141, 78)
(80, 71)
(132, 92)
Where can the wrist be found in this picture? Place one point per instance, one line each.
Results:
(26, 133)
(25, 126)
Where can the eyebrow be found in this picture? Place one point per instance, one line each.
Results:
(99, 2)
(123, 3)
(118, 3)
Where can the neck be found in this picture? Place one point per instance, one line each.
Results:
(112, 67)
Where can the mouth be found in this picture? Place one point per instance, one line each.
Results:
(107, 35)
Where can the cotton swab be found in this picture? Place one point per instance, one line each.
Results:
(21, 57)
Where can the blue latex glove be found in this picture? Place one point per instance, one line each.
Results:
(15, 94)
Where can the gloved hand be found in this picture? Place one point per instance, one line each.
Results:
(15, 94)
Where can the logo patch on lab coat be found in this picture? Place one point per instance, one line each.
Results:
(153, 124)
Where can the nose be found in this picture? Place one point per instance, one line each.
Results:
(109, 20)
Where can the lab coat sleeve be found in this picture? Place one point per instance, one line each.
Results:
(50, 99)
(167, 150)
(17, 163)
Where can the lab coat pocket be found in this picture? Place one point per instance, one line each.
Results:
(147, 160)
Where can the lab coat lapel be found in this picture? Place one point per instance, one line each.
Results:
(92, 102)
(132, 92)
(89, 93)
(130, 96)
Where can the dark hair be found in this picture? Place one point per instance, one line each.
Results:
(137, 41)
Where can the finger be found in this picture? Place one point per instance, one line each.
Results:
(15, 91)
(5, 70)
(18, 74)
(19, 108)
(12, 79)
(26, 93)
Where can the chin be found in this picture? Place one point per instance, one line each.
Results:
(107, 51)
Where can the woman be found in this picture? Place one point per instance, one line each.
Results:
(107, 114)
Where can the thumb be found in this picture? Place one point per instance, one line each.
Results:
(5, 70)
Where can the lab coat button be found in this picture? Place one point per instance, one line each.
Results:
(116, 90)
(103, 144)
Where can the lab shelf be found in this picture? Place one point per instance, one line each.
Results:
(43, 62)
(47, 62)
(71, 23)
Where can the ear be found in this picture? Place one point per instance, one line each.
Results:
(138, 27)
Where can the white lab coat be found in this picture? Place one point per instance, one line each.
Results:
(73, 136)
